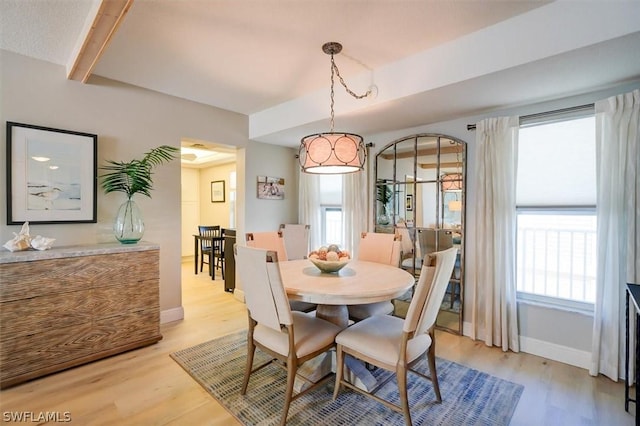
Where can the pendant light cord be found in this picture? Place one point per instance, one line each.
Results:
(334, 70)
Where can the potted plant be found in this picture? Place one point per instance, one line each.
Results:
(133, 177)
(383, 196)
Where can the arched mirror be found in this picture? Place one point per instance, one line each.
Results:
(420, 184)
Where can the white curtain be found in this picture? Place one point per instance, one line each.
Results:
(309, 206)
(618, 159)
(494, 251)
(354, 209)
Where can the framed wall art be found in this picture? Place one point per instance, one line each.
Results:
(409, 203)
(51, 175)
(270, 188)
(217, 191)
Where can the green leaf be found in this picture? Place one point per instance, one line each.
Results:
(134, 177)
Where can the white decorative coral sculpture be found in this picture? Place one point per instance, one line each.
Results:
(22, 241)
(42, 243)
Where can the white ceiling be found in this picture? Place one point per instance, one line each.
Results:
(430, 60)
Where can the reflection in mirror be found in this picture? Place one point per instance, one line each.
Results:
(425, 175)
(384, 164)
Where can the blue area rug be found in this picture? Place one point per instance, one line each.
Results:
(469, 397)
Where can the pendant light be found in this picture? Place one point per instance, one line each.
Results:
(333, 152)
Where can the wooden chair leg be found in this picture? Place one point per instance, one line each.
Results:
(251, 348)
(401, 376)
(292, 368)
(431, 359)
(339, 371)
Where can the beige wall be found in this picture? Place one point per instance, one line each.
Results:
(276, 161)
(215, 213)
(128, 121)
(190, 208)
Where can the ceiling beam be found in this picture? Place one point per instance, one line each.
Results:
(108, 17)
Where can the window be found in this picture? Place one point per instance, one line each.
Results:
(557, 254)
(331, 209)
(332, 225)
(555, 197)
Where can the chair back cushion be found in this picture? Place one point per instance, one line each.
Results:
(396, 253)
(432, 240)
(264, 293)
(429, 291)
(378, 247)
(269, 241)
(407, 241)
(296, 240)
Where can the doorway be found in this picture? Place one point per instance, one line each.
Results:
(208, 196)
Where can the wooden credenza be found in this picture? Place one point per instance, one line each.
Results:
(67, 306)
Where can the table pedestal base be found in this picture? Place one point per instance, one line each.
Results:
(356, 372)
(335, 314)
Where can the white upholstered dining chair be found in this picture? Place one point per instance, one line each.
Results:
(288, 337)
(411, 259)
(379, 248)
(395, 344)
(275, 241)
(268, 240)
(296, 240)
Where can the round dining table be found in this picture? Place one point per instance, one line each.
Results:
(358, 282)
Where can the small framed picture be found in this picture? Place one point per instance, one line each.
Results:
(409, 203)
(270, 188)
(217, 191)
(51, 175)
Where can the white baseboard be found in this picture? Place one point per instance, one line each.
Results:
(555, 352)
(170, 315)
(548, 350)
(238, 294)
(466, 329)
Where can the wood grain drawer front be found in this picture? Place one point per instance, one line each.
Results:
(31, 279)
(126, 329)
(59, 313)
(52, 347)
(126, 297)
(39, 314)
(63, 346)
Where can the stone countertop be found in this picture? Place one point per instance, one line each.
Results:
(7, 256)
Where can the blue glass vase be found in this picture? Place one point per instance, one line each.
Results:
(129, 226)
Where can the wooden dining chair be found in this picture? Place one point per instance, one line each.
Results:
(379, 248)
(296, 240)
(290, 338)
(411, 258)
(218, 253)
(268, 240)
(395, 344)
(275, 241)
(431, 240)
(208, 248)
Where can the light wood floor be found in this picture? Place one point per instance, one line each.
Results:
(146, 387)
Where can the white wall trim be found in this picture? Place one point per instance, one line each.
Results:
(555, 352)
(170, 315)
(238, 294)
(466, 329)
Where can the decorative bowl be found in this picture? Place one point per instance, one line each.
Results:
(328, 266)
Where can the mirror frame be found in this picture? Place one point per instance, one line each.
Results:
(400, 181)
